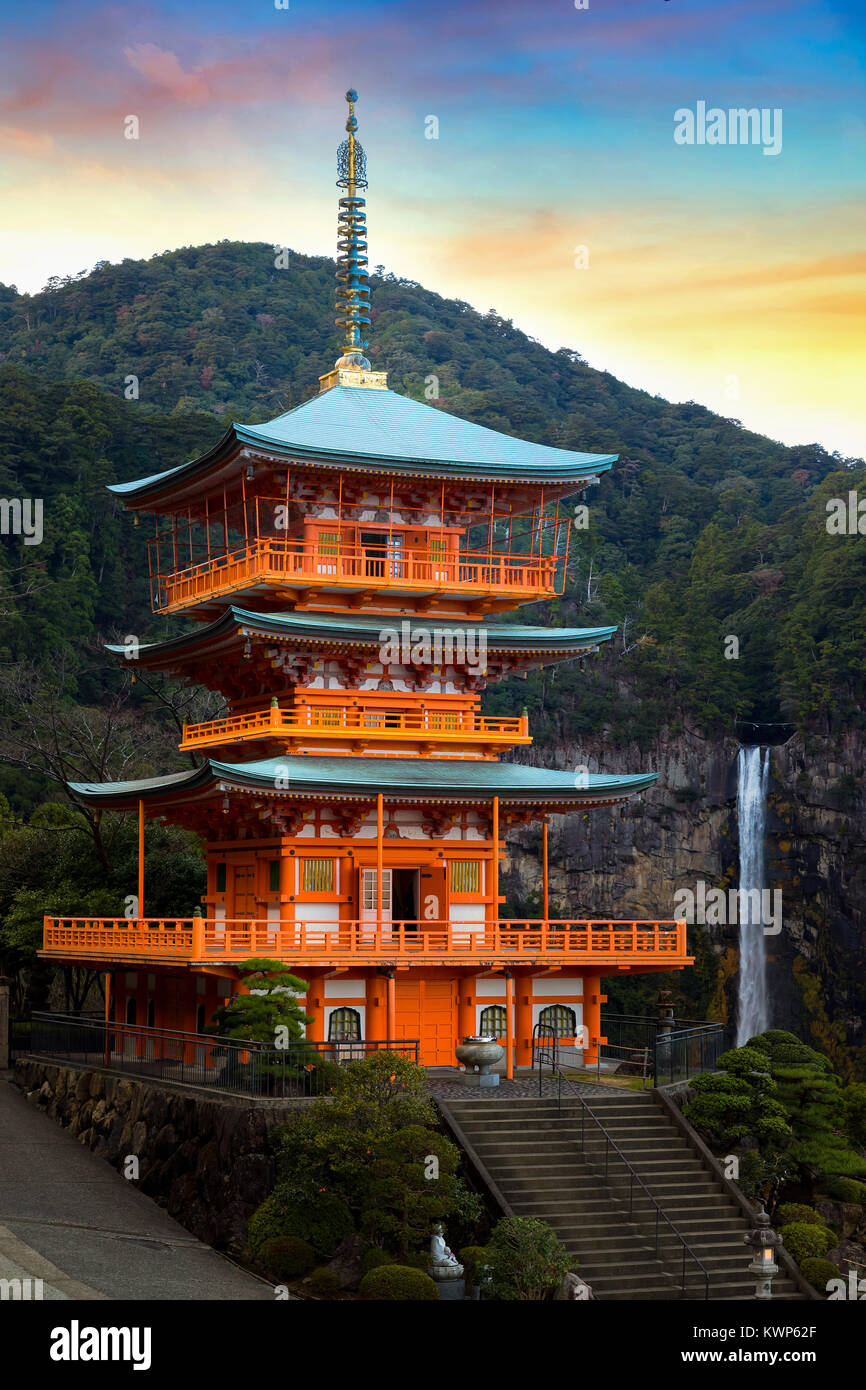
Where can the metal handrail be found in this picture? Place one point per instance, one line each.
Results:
(634, 1177)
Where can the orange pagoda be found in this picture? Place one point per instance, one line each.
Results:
(345, 566)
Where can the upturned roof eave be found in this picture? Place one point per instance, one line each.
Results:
(146, 492)
(475, 783)
(499, 637)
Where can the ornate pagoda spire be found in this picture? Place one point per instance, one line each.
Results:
(353, 289)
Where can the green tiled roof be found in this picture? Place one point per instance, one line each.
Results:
(423, 779)
(355, 427)
(368, 631)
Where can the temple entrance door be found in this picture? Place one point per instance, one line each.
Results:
(427, 1010)
(404, 898)
(244, 906)
(369, 913)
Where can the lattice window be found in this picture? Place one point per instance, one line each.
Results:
(561, 1019)
(318, 875)
(273, 875)
(494, 1020)
(465, 875)
(344, 1025)
(329, 542)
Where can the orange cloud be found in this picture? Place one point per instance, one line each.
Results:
(162, 68)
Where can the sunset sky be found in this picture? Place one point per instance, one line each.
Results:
(716, 272)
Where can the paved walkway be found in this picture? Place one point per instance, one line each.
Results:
(68, 1218)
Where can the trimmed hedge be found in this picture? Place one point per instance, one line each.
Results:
(324, 1222)
(287, 1257)
(790, 1212)
(399, 1283)
(819, 1272)
(324, 1281)
(803, 1239)
(843, 1189)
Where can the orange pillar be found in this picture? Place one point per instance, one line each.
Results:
(315, 1008)
(545, 896)
(509, 1026)
(494, 873)
(377, 1008)
(379, 866)
(592, 1002)
(392, 1008)
(523, 1021)
(107, 1017)
(466, 1006)
(140, 860)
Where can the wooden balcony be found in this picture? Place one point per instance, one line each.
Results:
(248, 572)
(460, 730)
(193, 941)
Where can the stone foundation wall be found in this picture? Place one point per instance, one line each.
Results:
(205, 1159)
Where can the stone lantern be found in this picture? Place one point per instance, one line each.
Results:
(764, 1243)
(665, 1006)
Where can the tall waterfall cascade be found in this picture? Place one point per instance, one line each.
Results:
(753, 1013)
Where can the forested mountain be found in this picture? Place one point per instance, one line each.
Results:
(704, 531)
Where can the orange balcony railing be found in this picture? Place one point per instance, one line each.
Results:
(635, 944)
(290, 563)
(434, 726)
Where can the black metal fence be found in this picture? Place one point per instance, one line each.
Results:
(640, 1047)
(687, 1052)
(200, 1059)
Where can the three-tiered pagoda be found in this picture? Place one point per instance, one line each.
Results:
(341, 563)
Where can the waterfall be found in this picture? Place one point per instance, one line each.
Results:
(752, 1005)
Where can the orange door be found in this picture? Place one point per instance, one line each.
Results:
(427, 1010)
(245, 891)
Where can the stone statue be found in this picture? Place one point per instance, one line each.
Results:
(443, 1263)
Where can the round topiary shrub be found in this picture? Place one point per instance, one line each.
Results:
(844, 1189)
(795, 1211)
(287, 1257)
(471, 1256)
(399, 1283)
(324, 1282)
(374, 1258)
(324, 1221)
(819, 1272)
(803, 1239)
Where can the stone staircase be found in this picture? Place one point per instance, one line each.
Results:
(531, 1151)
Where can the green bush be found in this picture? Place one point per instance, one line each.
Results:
(374, 1258)
(265, 1222)
(819, 1272)
(526, 1261)
(287, 1257)
(843, 1189)
(324, 1221)
(794, 1211)
(398, 1283)
(471, 1256)
(324, 1281)
(802, 1239)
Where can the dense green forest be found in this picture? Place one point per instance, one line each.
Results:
(704, 531)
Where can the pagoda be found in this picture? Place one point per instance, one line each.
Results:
(344, 567)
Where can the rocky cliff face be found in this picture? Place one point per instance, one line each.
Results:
(684, 831)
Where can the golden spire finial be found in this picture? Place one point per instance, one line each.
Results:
(353, 290)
